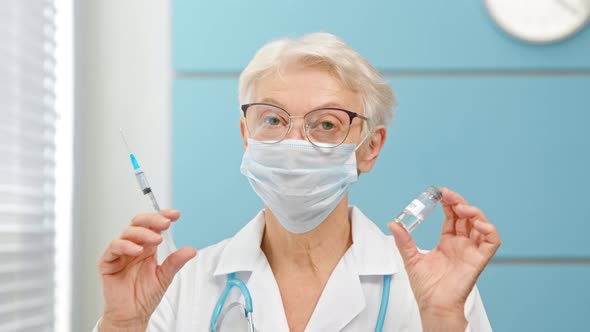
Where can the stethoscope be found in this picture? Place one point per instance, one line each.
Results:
(233, 281)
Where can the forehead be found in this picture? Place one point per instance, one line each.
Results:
(299, 88)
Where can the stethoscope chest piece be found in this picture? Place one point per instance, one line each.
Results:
(233, 318)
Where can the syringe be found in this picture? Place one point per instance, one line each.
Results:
(147, 191)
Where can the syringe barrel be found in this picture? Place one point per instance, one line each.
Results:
(144, 185)
(153, 201)
(146, 189)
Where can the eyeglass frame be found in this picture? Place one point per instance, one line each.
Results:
(352, 115)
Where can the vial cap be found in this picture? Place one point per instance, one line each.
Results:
(434, 193)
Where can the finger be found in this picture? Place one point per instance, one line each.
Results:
(462, 227)
(448, 226)
(173, 264)
(153, 221)
(171, 214)
(476, 236)
(404, 242)
(450, 197)
(118, 248)
(488, 230)
(469, 212)
(113, 266)
(141, 235)
(492, 237)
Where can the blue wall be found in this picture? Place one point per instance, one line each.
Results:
(500, 121)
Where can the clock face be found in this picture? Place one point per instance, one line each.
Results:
(540, 21)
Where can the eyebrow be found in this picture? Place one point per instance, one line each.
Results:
(330, 104)
(272, 101)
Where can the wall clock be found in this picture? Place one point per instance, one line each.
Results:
(540, 21)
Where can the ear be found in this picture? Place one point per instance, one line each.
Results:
(243, 132)
(367, 155)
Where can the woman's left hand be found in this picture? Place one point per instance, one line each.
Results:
(443, 278)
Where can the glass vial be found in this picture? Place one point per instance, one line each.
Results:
(419, 208)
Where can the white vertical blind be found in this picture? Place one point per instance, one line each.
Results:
(27, 162)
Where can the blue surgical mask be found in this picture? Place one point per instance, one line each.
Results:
(299, 182)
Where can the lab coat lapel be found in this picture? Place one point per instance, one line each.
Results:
(341, 301)
(268, 312)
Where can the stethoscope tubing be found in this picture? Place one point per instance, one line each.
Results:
(232, 281)
(384, 303)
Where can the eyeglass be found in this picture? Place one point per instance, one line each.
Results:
(325, 127)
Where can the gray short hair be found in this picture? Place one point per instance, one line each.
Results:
(326, 50)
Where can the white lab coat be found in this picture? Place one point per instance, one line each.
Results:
(350, 300)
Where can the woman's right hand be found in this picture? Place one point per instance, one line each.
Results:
(132, 281)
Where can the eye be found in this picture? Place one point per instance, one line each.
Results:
(326, 125)
(272, 120)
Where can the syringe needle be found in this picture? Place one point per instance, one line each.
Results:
(124, 140)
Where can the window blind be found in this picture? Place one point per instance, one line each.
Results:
(27, 164)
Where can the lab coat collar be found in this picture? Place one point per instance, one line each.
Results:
(243, 250)
(372, 252)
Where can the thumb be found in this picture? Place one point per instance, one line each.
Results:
(174, 263)
(404, 242)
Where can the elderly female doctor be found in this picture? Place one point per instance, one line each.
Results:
(313, 118)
